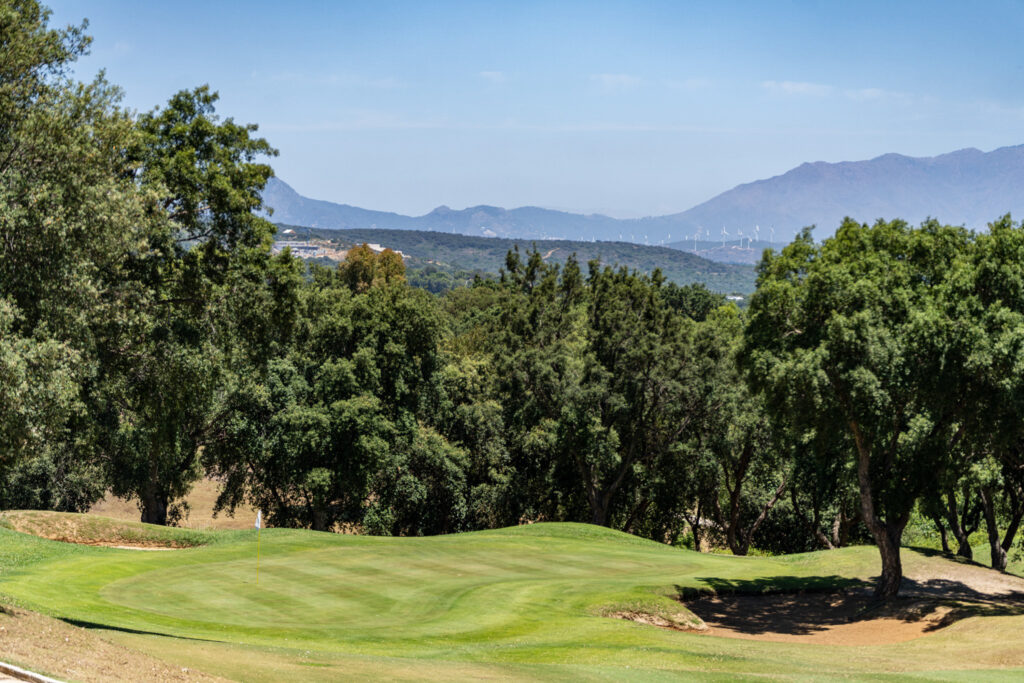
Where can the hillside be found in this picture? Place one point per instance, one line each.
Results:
(486, 221)
(487, 254)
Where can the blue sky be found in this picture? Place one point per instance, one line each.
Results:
(626, 108)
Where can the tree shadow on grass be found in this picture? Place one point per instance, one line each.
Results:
(124, 629)
(807, 605)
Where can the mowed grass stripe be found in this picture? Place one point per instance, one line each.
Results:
(521, 602)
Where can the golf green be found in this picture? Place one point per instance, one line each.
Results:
(524, 602)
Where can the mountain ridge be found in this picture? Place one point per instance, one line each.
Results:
(963, 187)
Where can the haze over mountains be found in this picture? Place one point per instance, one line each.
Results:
(966, 187)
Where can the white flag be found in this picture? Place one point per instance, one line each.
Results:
(259, 519)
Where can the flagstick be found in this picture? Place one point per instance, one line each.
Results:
(258, 530)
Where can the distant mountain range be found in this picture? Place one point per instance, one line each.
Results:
(966, 187)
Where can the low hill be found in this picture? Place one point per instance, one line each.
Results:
(487, 254)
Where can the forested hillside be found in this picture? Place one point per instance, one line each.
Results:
(487, 254)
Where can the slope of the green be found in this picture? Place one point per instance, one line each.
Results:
(510, 603)
(487, 254)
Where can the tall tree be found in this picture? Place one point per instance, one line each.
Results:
(600, 385)
(856, 335)
(337, 430)
(992, 289)
(69, 213)
(166, 373)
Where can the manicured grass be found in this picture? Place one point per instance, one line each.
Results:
(524, 602)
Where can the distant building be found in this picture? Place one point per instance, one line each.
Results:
(300, 249)
(377, 248)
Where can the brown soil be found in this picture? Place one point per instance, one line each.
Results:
(656, 620)
(934, 596)
(54, 648)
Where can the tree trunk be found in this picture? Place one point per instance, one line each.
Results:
(892, 569)
(319, 520)
(937, 521)
(989, 508)
(638, 512)
(837, 532)
(154, 507)
(959, 533)
(695, 526)
(887, 535)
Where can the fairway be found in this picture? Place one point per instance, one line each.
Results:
(528, 601)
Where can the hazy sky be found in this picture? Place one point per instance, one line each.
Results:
(626, 108)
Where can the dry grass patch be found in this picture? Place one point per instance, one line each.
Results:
(92, 530)
(201, 501)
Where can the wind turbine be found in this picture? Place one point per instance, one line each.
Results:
(757, 232)
(772, 242)
(740, 233)
(724, 233)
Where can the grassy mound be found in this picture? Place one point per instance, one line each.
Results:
(529, 602)
(92, 530)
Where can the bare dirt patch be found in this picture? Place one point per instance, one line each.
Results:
(54, 648)
(657, 620)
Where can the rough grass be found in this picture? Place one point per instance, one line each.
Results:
(92, 530)
(527, 602)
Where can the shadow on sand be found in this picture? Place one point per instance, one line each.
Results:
(772, 606)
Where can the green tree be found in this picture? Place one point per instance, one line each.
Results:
(600, 385)
(69, 214)
(856, 336)
(749, 472)
(336, 432)
(166, 371)
(992, 291)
